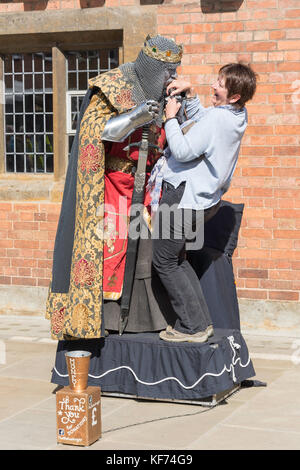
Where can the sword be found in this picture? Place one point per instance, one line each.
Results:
(134, 225)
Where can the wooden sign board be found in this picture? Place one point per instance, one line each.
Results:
(78, 416)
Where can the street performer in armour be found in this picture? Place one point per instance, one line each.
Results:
(118, 140)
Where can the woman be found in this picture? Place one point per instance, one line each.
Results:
(201, 159)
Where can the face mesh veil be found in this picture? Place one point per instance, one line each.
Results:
(149, 75)
(152, 72)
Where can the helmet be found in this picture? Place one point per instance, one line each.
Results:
(156, 63)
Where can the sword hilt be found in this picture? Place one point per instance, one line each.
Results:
(144, 142)
(145, 133)
(139, 144)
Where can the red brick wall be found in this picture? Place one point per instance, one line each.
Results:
(27, 236)
(265, 33)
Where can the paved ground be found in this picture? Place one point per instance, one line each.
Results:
(253, 418)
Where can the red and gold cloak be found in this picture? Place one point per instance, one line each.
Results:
(104, 175)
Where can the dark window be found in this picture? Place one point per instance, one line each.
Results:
(81, 66)
(28, 112)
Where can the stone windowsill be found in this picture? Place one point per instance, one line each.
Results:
(29, 187)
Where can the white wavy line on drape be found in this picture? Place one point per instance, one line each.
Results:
(229, 369)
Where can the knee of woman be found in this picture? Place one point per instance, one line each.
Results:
(156, 261)
(157, 258)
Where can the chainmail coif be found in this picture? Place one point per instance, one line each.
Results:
(148, 75)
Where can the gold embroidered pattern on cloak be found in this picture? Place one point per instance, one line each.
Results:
(55, 312)
(80, 320)
(89, 159)
(78, 312)
(58, 319)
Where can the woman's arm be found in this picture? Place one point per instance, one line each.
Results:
(193, 107)
(178, 86)
(197, 141)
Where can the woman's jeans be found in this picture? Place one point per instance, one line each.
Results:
(177, 275)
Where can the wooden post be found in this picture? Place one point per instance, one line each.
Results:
(121, 55)
(2, 125)
(60, 143)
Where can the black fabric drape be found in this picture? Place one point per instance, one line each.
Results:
(145, 366)
(213, 265)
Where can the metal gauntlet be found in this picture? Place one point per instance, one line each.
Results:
(118, 128)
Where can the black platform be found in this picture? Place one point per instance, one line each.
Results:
(141, 365)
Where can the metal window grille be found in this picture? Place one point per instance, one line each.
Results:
(28, 113)
(81, 66)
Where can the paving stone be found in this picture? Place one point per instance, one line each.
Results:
(253, 418)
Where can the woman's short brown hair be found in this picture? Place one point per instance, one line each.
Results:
(239, 79)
